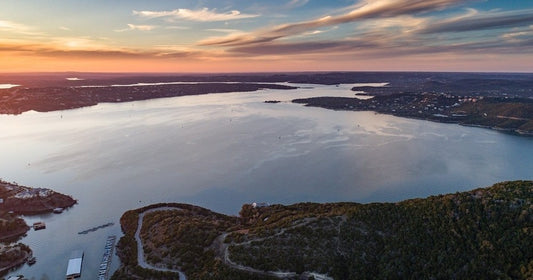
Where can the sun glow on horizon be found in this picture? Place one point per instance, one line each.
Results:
(384, 35)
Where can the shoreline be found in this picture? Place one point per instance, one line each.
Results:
(473, 112)
(17, 200)
(274, 241)
(18, 100)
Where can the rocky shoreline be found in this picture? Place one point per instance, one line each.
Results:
(16, 200)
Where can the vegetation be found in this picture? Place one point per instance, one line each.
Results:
(12, 256)
(15, 200)
(176, 239)
(11, 227)
(481, 234)
(506, 114)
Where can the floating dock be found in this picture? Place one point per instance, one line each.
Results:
(95, 228)
(39, 225)
(103, 271)
(74, 265)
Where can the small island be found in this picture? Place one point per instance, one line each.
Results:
(485, 233)
(16, 200)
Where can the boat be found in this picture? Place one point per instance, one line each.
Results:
(39, 225)
(32, 261)
(58, 210)
(74, 265)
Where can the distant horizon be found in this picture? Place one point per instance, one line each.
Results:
(265, 72)
(238, 36)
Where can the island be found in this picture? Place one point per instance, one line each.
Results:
(16, 200)
(486, 233)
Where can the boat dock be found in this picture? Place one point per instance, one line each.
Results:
(39, 225)
(103, 271)
(74, 265)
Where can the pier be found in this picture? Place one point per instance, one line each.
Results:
(103, 270)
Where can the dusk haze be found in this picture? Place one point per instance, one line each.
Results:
(266, 36)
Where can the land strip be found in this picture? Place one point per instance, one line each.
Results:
(505, 114)
(44, 99)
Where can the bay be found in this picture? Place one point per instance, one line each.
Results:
(222, 150)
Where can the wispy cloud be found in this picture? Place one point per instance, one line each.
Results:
(176, 27)
(18, 28)
(365, 10)
(224, 30)
(482, 21)
(137, 27)
(6, 25)
(85, 48)
(204, 15)
(296, 3)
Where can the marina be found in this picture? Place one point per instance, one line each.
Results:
(103, 270)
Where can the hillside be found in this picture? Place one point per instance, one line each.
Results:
(481, 234)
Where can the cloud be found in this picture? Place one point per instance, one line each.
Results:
(203, 15)
(298, 48)
(14, 27)
(137, 27)
(60, 48)
(365, 10)
(296, 4)
(224, 30)
(482, 21)
(176, 27)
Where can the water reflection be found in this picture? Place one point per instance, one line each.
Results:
(222, 150)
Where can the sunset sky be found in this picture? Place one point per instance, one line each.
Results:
(260, 36)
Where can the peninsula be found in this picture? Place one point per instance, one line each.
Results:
(499, 113)
(483, 233)
(44, 99)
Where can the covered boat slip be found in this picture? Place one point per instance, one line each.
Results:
(74, 265)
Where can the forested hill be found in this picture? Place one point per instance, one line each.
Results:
(481, 234)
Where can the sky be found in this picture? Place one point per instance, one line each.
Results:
(266, 36)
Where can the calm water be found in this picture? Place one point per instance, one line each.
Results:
(222, 150)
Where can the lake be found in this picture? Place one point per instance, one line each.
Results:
(222, 150)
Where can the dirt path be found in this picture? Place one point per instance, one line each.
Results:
(141, 260)
(224, 248)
